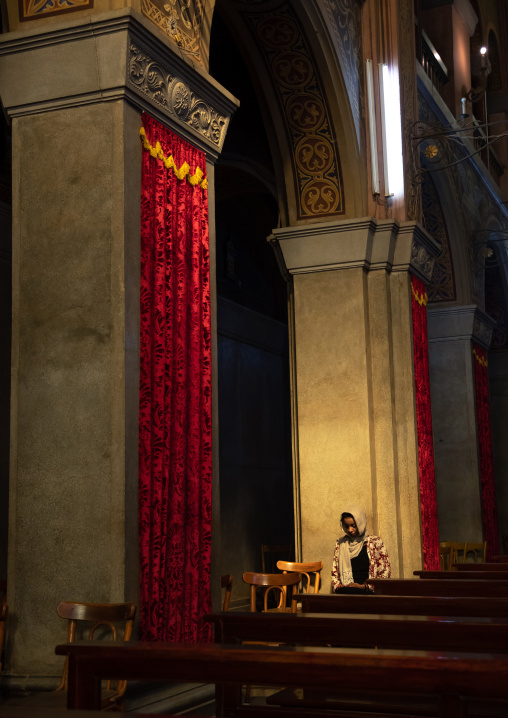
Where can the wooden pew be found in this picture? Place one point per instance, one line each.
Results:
(502, 567)
(439, 587)
(448, 675)
(21, 711)
(364, 631)
(408, 605)
(358, 631)
(464, 575)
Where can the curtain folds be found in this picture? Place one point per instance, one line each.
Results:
(488, 491)
(175, 416)
(428, 503)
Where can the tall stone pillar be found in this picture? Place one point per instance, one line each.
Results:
(75, 92)
(451, 333)
(353, 392)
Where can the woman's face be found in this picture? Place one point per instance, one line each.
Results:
(350, 526)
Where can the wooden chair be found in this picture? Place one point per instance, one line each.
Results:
(271, 553)
(226, 582)
(4, 610)
(446, 555)
(276, 582)
(479, 551)
(105, 616)
(304, 569)
(451, 550)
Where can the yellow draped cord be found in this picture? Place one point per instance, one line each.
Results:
(184, 172)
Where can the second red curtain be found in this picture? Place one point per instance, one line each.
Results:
(488, 491)
(428, 502)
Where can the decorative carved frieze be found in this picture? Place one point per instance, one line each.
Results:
(482, 332)
(36, 9)
(150, 74)
(174, 94)
(422, 260)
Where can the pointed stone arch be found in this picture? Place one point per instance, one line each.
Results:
(311, 106)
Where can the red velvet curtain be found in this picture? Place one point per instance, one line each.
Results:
(489, 510)
(430, 531)
(175, 390)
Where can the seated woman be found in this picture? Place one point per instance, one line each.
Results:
(358, 556)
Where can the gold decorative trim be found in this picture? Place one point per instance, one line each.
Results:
(35, 9)
(182, 173)
(481, 361)
(422, 299)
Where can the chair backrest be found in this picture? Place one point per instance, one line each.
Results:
(304, 569)
(4, 610)
(226, 582)
(446, 555)
(276, 582)
(271, 553)
(110, 616)
(479, 551)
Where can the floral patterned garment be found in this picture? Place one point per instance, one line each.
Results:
(379, 565)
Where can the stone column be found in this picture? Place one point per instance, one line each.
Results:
(75, 92)
(353, 394)
(451, 333)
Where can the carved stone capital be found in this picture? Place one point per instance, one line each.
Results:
(467, 323)
(365, 242)
(113, 56)
(416, 251)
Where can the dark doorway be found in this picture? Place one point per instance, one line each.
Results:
(256, 490)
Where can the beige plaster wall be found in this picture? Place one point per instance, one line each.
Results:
(76, 190)
(356, 418)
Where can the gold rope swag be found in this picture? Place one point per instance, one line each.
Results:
(184, 172)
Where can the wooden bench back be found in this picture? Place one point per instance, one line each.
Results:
(468, 575)
(408, 605)
(363, 631)
(439, 587)
(450, 675)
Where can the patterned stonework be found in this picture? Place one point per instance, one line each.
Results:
(421, 260)
(181, 20)
(475, 209)
(307, 117)
(442, 286)
(344, 21)
(34, 9)
(172, 93)
(408, 103)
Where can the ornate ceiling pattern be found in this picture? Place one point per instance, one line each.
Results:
(305, 111)
(181, 20)
(442, 285)
(344, 21)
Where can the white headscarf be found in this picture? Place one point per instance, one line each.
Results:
(350, 546)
